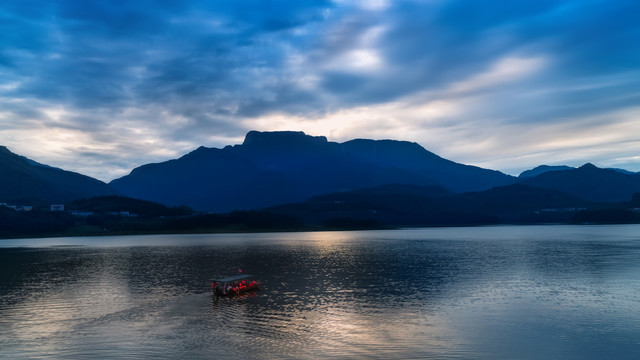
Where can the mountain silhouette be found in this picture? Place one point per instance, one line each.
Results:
(407, 205)
(414, 158)
(538, 170)
(271, 168)
(293, 178)
(590, 183)
(26, 182)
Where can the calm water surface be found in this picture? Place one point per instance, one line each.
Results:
(534, 292)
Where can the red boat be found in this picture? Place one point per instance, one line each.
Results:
(234, 285)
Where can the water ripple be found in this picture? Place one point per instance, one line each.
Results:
(336, 295)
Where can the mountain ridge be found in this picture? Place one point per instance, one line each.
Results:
(269, 168)
(26, 181)
(590, 183)
(273, 168)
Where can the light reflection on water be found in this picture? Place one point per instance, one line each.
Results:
(471, 293)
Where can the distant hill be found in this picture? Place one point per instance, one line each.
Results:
(408, 156)
(541, 170)
(520, 203)
(405, 205)
(272, 168)
(622, 171)
(116, 204)
(26, 182)
(590, 183)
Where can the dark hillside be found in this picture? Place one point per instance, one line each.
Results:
(273, 168)
(24, 181)
(402, 205)
(590, 183)
(115, 204)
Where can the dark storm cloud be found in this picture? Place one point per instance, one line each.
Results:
(94, 53)
(103, 53)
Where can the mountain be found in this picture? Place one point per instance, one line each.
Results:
(408, 156)
(541, 170)
(590, 183)
(391, 205)
(114, 204)
(271, 168)
(622, 171)
(26, 182)
(406, 205)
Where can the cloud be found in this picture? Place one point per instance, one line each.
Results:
(108, 85)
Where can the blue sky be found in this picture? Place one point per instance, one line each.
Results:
(100, 87)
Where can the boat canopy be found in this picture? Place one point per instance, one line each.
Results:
(233, 278)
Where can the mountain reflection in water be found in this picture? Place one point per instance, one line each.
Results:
(493, 292)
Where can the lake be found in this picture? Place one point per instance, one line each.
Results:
(506, 292)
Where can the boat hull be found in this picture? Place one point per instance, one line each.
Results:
(234, 288)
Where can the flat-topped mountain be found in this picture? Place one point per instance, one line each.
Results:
(26, 182)
(271, 168)
(295, 179)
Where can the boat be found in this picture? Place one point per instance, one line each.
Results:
(233, 285)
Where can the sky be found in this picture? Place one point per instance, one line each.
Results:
(101, 87)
